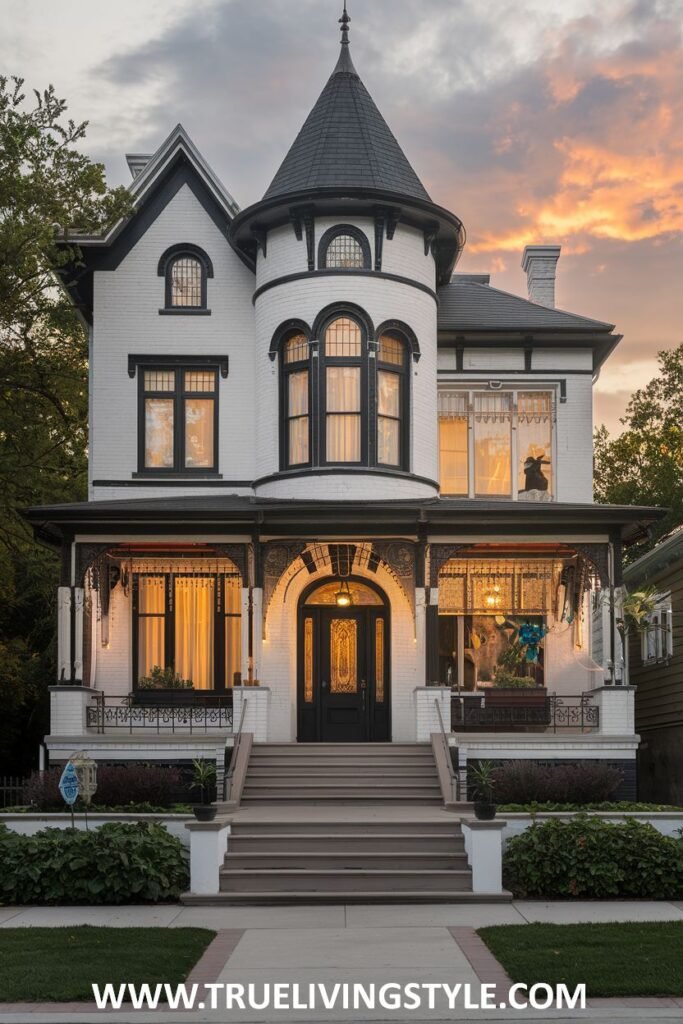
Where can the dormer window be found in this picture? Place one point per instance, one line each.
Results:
(344, 247)
(185, 269)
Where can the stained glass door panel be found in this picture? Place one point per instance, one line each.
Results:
(344, 677)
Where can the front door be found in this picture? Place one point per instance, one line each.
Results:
(343, 675)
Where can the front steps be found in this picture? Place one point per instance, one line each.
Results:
(343, 823)
(341, 772)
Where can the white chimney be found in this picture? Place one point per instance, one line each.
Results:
(540, 265)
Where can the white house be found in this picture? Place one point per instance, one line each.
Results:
(329, 475)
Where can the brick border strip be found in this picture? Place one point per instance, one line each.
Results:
(207, 969)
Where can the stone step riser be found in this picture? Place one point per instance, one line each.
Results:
(342, 861)
(351, 769)
(367, 749)
(349, 896)
(340, 795)
(345, 844)
(379, 782)
(284, 826)
(365, 881)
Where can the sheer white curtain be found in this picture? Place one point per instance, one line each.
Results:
(298, 417)
(492, 443)
(343, 413)
(194, 630)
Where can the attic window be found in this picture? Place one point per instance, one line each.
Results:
(185, 269)
(344, 247)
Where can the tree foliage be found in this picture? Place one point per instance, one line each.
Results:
(644, 464)
(48, 191)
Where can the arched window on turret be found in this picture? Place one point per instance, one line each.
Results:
(343, 426)
(344, 247)
(392, 400)
(296, 400)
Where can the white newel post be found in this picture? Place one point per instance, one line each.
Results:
(484, 847)
(426, 716)
(616, 709)
(68, 707)
(257, 699)
(63, 633)
(208, 846)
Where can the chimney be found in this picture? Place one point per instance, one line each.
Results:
(540, 264)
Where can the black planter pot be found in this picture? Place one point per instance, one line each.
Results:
(484, 811)
(204, 812)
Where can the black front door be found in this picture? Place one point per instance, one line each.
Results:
(343, 675)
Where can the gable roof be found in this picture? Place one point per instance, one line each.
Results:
(469, 304)
(345, 142)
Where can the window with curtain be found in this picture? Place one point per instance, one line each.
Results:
(179, 414)
(391, 400)
(496, 443)
(295, 359)
(191, 623)
(342, 355)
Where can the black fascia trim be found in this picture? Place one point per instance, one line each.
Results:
(353, 272)
(401, 328)
(345, 468)
(285, 328)
(184, 311)
(181, 475)
(343, 229)
(143, 480)
(152, 359)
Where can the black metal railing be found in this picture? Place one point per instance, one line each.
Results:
(205, 714)
(550, 713)
(12, 790)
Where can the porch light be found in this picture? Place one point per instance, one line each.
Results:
(343, 596)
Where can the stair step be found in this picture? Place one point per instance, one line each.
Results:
(340, 782)
(397, 860)
(367, 750)
(447, 825)
(358, 842)
(385, 896)
(307, 880)
(370, 768)
(342, 796)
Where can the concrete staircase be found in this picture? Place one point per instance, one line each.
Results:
(343, 823)
(399, 773)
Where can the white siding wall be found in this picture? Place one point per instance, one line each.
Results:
(127, 302)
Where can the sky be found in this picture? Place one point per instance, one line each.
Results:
(533, 120)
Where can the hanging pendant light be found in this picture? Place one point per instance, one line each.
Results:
(343, 596)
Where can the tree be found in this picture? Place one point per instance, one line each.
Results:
(48, 190)
(644, 464)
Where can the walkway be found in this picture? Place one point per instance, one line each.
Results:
(363, 944)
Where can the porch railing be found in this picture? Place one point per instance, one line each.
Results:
(201, 715)
(11, 790)
(472, 713)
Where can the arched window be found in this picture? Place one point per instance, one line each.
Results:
(344, 369)
(185, 268)
(392, 413)
(344, 247)
(296, 386)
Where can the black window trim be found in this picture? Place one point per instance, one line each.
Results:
(343, 229)
(179, 365)
(286, 369)
(403, 374)
(166, 262)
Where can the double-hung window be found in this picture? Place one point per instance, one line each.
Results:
(296, 382)
(343, 362)
(178, 419)
(657, 636)
(391, 400)
(496, 443)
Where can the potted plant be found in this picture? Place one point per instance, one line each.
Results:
(163, 686)
(203, 779)
(483, 779)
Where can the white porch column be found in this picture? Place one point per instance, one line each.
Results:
(426, 714)
(208, 846)
(256, 714)
(484, 847)
(63, 633)
(257, 629)
(244, 633)
(68, 706)
(616, 708)
(420, 632)
(78, 606)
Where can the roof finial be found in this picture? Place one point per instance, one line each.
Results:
(344, 22)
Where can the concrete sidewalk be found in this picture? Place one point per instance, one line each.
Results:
(356, 944)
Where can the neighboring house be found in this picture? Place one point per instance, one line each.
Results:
(323, 461)
(656, 669)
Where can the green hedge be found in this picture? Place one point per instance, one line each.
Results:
(117, 863)
(616, 806)
(588, 858)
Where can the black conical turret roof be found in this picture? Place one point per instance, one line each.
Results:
(345, 142)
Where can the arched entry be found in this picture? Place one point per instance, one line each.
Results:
(344, 690)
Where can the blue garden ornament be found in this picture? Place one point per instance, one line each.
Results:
(69, 786)
(530, 638)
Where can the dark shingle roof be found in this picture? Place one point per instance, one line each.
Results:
(345, 142)
(468, 304)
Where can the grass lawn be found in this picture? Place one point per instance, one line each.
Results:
(61, 964)
(630, 959)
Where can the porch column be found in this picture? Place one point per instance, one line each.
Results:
(421, 630)
(77, 608)
(257, 630)
(63, 634)
(244, 635)
(432, 637)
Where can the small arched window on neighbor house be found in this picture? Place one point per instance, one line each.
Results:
(185, 269)
(344, 247)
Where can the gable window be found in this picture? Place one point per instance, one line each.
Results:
(178, 419)
(391, 400)
(344, 247)
(295, 357)
(190, 622)
(185, 269)
(496, 443)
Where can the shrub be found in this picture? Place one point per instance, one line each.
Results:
(117, 863)
(588, 858)
(117, 786)
(523, 782)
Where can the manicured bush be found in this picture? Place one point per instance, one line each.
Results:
(523, 782)
(588, 858)
(117, 786)
(613, 806)
(117, 863)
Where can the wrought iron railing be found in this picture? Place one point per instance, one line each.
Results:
(551, 712)
(201, 715)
